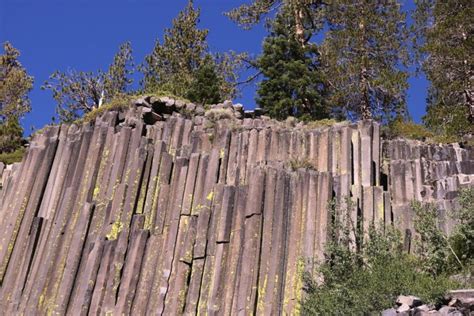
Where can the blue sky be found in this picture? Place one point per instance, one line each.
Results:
(85, 34)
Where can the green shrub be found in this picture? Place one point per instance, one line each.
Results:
(118, 103)
(361, 277)
(407, 129)
(462, 238)
(12, 157)
(11, 136)
(321, 123)
(296, 164)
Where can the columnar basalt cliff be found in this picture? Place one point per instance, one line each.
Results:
(166, 209)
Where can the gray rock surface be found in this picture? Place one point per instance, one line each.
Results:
(162, 210)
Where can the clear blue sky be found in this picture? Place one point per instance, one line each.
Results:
(85, 34)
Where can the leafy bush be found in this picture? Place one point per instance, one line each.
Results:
(366, 276)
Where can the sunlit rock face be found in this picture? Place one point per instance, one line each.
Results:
(170, 208)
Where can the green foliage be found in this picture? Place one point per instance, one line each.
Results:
(431, 242)
(361, 277)
(12, 157)
(443, 41)
(462, 239)
(307, 15)
(15, 84)
(321, 123)
(11, 135)
(407, 129)
(364, 54)
(182, 63)
(215, 115)
(116, 104)
(296, 164)
(77, 93)
(205, 85)
(449, 122)
(293, 84)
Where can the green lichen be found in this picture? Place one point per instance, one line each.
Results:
(116, 228)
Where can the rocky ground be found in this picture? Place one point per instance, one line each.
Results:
(457, 303)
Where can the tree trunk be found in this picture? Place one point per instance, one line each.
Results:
(365, 105)
(299, 16)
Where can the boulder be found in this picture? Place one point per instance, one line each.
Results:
(389, 312)
(403, 308)
(410, 300)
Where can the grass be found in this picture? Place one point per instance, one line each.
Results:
(15, 156)
(296, 164)
(321, 123)
(123, 102)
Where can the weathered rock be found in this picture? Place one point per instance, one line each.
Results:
(146, 212)
(389, 312)
(410, 300)
(403, 308)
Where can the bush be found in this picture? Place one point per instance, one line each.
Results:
(11, 136)
(321, 123)
(215, 115)
(296, 164)
(407, 129)
(462, 239)
(12, 157)
(368, 279)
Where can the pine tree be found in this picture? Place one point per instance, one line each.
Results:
(118, 77)
(173, 66)
(15, 84)
(307, 15)
(205, 85)
(293, 84)
(79, 92)
(444, 42)
(363, 52)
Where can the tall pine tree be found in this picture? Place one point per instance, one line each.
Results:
(444, 42)
(307, 15)
(364, 53)
(293, 84)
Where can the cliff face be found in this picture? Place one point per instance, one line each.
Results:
(147, 212)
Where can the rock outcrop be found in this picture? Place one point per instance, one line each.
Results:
(169, 208)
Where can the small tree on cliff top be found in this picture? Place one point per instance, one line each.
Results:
(293, 83)
(77, 93)
(180, 65)
(15, 84)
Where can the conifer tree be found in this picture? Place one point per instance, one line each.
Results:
(444, 42)
(173, 65)
(79, 92)
(205, 85)
(15, 84)
(170, 66)
(363, 52)
(307, 15)
(293, 83)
